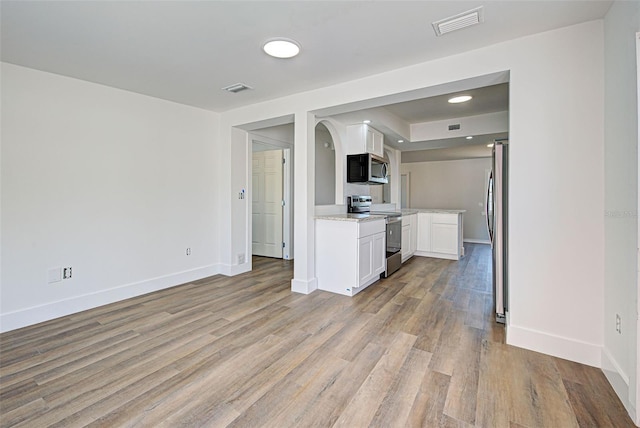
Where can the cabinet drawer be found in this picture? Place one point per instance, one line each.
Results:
(444, 218)
(367, 228)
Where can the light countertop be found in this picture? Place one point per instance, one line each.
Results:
(350, 217)
(431, 210)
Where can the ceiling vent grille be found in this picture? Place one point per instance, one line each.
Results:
(237, 87)
(457, 22)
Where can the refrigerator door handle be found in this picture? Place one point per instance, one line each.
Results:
(488, 209)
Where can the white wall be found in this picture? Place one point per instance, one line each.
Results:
(621, 193)
(283, 133)
(114, 184)
(557, 190)
(459, 184)
(325, 177)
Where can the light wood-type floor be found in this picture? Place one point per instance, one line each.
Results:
(417, 349)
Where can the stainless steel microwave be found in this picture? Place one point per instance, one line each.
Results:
(366, 168)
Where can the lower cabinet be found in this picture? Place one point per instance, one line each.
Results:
(440, 235)
(371, 258)
(409, 235)
(350, 255)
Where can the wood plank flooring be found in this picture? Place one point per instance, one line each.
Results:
(417, 349)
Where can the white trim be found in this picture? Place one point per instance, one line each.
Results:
(618, 379)
(36, 314)
(478, 241)
(304, 287)
(634, 415)
(436, 255)
(287, 196)
(233, 270)
(557, 346)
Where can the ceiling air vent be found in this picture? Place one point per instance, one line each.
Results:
(237, 87)
(454, 127)
(459, 21)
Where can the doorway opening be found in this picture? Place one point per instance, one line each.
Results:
(271, 188)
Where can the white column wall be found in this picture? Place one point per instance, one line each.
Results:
(304, 274)
(621, 195)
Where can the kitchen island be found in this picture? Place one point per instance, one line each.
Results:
(440, 233)
(350, 252)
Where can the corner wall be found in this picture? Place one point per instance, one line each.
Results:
(114, 184)
(621, 200)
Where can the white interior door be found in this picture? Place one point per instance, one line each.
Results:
(267, 185)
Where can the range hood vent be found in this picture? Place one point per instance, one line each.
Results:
(458, 22)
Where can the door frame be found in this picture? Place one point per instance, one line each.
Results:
(287, 191)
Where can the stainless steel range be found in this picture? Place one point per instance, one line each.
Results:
(362, 205)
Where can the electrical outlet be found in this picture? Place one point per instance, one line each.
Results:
(240, 258)
(188, 251)
(618, 324)
(66, 273)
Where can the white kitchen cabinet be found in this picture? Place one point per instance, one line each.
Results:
(409, 235)
(371, 253)
(362, 138)
(350, 255)
(440, 235)
(424, 232)
(414, 234)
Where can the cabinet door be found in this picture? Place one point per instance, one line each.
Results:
(413, 246)
(378, 143)
(370, 140)
(379, 253)
(365, 259)
(424, 232)
(444, 238)
(406, 241)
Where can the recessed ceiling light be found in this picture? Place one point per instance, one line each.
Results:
(460, 99)
(281, 48)
(490, 145)
(469, 137)
(400, 141)
(366, 121)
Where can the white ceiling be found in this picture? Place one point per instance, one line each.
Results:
(187, 51)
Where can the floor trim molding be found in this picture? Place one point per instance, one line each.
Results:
(557, 346)
(304, 286)
(618, 379)
(48, 311)
(477, 241)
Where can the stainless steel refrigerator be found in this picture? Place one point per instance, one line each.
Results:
(497, 224)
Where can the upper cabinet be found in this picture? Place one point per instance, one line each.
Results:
(362, 138)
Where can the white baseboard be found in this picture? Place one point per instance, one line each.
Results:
(304, 286)
(436, 255)
(36, 314)
(233, 270)
(557, 346)
(478, 241)
(619, 380)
